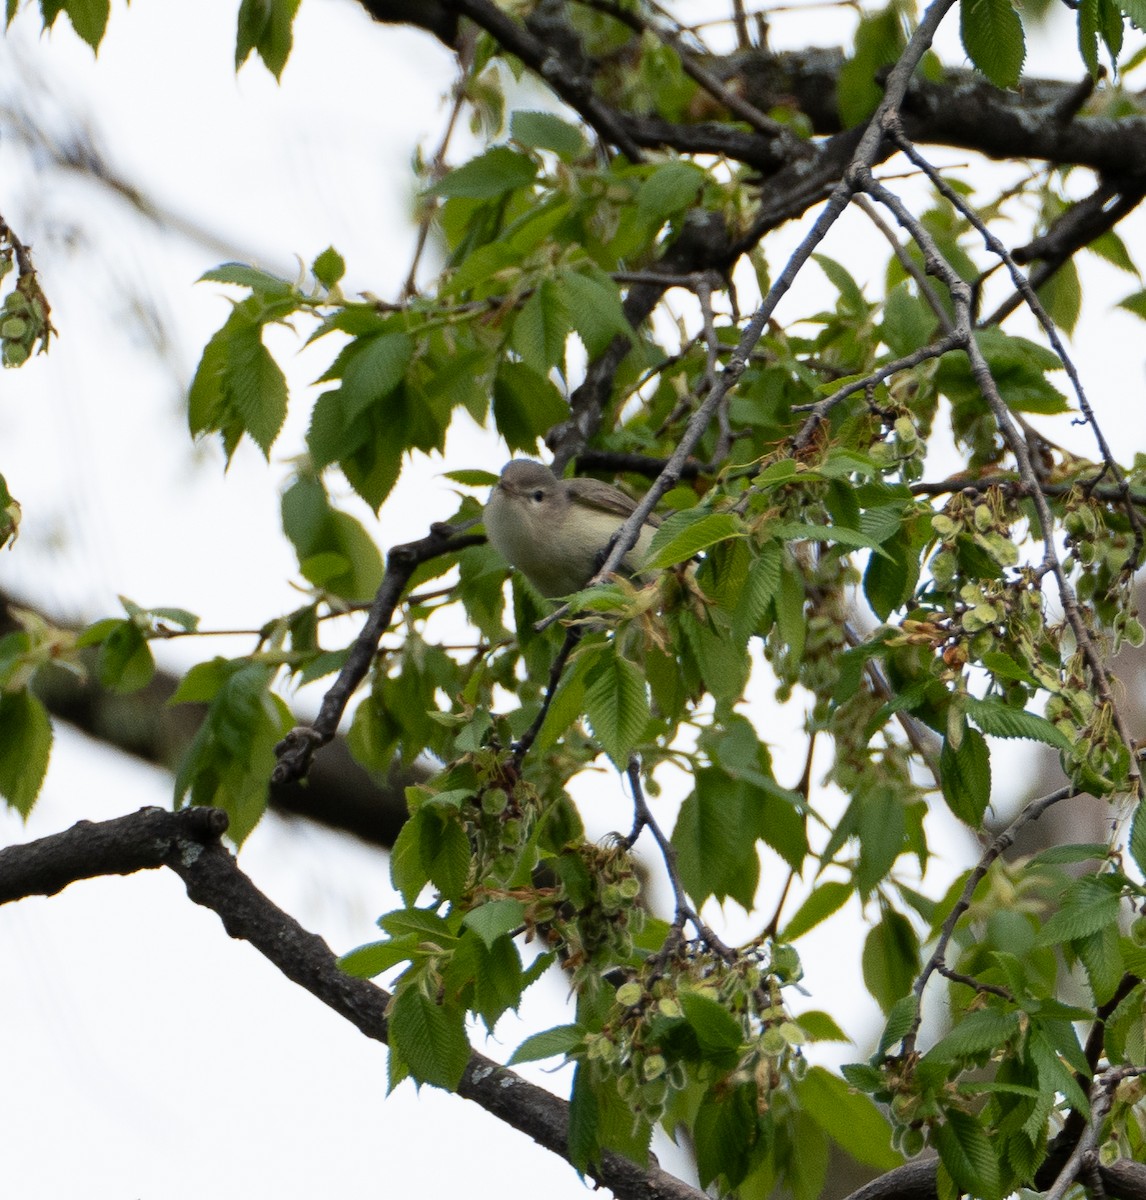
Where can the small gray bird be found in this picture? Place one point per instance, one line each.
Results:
(552, 530)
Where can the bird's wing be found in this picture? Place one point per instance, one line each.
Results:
(605, 497)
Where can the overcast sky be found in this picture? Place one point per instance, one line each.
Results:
(144, 1053)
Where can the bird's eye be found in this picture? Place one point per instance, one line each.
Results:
(539, 495)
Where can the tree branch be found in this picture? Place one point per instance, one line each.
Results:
(297, 749)
(188, 843)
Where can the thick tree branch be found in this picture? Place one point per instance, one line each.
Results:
(188, 843)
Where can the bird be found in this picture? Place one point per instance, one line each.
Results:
(554, 530)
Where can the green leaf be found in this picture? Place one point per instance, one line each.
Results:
(890, 959)
(821, 1027)
(1088, 906)
(760, 590)
(827, 899)
(526, 405)
(1088, 34)
(879, 40)
(1138, 837)
(594, 306)
(890, 577)
(367, 961)
(562, 1039)
(717, 1030)
(853, 539)
(1061, 296)
(491, 174)
(687, 533)
(977, 1034)
(617, 706)
(266, 26)
(495, 919)
(25, 746)
(965, 1150)
(965, 774)
(430, 1037)
(849, 1118)
(329, 267)
(1101, 956)
(545, 131)
(125, 661)
(321, 534)
(89, 19)
(670, 188)
(246, 276)
(256, 387)
(373, 370)
(584, 1146)
(992, 35)
(541, 327)
(900, 1020)
(999, 719)
(851, 296)
(229, 762)
(714, 856)
(446, 853)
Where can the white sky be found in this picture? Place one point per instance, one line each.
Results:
(144, 1053)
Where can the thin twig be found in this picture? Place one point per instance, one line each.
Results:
(1023, 287)
(522, 745)
(295, 751)
(981, 372)
(643, 819)
(998, 846)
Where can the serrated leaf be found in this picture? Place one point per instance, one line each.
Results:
(714, 856)
(371, 374)
(495, 919)
(1088, 906)
(266, 26)
(999, 719)
(246, 276)
(541, 327)
(256, 387)
(595, 310)
(890, 959)
(671, 187)
(717, 1030)
(900, 1020)
(687, 533)
(89, 19)
(329, 267)
(617, 706)
(992, 35)
(1138, 837)
(827, 899)
(853, 539)
(1101, 956)
(979, 1032)
(25, 746)
(430, 1037)
(365, 962)
(965, 774)
(966, 1152)
(849, 1118)
(525, 405)
(546, 131)
(491, 174)
(760, 589)
(560, 1040)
